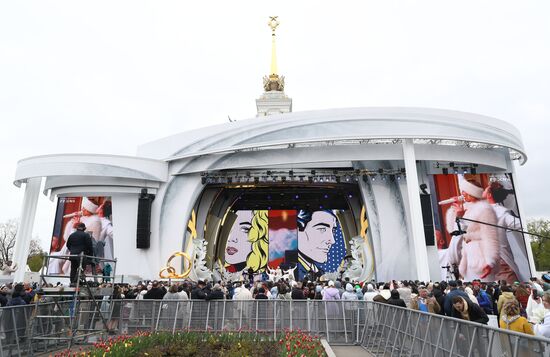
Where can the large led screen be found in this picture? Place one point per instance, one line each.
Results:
(475, 220)
(96, 214)
(310, 241)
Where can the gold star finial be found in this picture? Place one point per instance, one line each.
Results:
(273, 23)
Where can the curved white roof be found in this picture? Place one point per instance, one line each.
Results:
(368, 125)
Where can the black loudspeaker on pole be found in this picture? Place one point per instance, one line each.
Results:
(143, 231)
(427, 218)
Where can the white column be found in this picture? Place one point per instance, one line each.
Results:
(415, 209)
(26, 222)
(523, 221)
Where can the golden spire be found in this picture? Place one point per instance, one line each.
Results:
(273, 82)
(273, 23)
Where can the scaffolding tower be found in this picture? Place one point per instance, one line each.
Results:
(74, 314)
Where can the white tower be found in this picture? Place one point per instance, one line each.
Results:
(273, 100)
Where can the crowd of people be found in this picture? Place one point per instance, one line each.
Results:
(521, 307)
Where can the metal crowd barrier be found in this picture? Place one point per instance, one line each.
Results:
(380, 329)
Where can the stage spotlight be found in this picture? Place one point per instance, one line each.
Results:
(283, 179)
(347, 178)
(456, 172)
(325, 196)
(350, 195)
(291, 173)
(383, 177)
(465, 171)
(297, 196)
(321, 179)
(256, 180)
(274, 178)
(268, 207)
(320, 206)
(337, 179)
(357, 178)
(269, 197)
(373, 178)
(445, 171)
(301, 178)
(473, 171)
(310, 179)
(365, 178)
(399, 177)
(451, 164)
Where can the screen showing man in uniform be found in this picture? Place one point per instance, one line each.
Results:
(473, 218)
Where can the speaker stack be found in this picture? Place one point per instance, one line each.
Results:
(143, 232)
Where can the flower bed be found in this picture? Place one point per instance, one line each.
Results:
(199, 344)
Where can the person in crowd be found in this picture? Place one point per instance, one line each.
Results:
(359, 292)
(284, 293)
(241, 293)
(510, 319)
(17, 296)
(331, 293)
(216, 294)
(297, 291)
(349, 294)
(423, 302)
(117, 306)
(385, 291)
(468, 290)
(172, 293)
(3, 296)
(405, 292)
(464, 309)
(79, 242)
(318, 292)
(543, 329)
(522, 294)
(453, 292)
(506, 296)
(274, 292)
(199, 291)
(535, 308)
(483, 299)
(261, 294)
(395, 299)
(370, 293)
(183, 295)
(156, 292)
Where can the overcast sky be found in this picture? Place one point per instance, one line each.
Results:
(106, 76)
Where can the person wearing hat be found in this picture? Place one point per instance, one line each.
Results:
(477, 249)
(454, 291)
(79, 242)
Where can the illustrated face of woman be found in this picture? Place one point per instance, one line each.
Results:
(238, 246)
(317, 238)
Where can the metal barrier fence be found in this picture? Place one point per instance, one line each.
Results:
(380, 329)
(397, 331)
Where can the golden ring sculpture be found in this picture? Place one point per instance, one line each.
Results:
(172, 271)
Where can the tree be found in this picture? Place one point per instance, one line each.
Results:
(540, 245)
(8, 233)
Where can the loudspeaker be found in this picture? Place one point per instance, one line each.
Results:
(427, 218)
(143, 231)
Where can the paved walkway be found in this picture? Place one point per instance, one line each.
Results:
(350, 351)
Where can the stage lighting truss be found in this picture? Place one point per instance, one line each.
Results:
(294, 176)
(456, 168)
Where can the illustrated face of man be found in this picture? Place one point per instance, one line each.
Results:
(238, 246)
(317, 238)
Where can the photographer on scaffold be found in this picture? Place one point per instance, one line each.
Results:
(79, 242)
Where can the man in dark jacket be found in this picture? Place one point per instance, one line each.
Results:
(449, 297)
(79, 242)
(198, 292)
(395, 299)
(157, 292)
(216, 294)
(297, 292)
